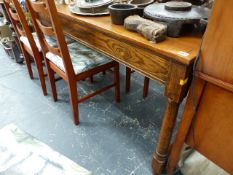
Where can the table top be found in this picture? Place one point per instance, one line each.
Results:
(182, 49)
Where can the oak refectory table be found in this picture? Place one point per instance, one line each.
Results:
(169, 62)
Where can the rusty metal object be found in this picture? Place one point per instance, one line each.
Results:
(178, 6)
(175, 20)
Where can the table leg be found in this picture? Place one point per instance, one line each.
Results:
(175, 90)
(160, 155)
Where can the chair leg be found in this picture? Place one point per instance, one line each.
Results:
(28, 63)
(127, 80)
(91, 79)
(117, 82)
(52, 80)
(146, 87)
(41, 74)
(74, 101)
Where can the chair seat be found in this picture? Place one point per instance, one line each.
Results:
(83, 58)
(51, 41)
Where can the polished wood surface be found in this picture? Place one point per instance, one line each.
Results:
(127, 53)
(211, 133)
(212, 126)
(169, 48)
(217, 50)
(169, 62)
(156, 61)
(127, 47)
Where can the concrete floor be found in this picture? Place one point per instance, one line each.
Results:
(112, 139)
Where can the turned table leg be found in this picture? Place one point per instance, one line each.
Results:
(175, 90)
(161, 153)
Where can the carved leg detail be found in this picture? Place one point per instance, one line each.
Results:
(162, 149)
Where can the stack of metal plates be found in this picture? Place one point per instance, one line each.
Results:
(91, 7)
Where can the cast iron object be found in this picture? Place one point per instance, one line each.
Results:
(178, 6)
(119, 12)
(141, 5)
(176, 20)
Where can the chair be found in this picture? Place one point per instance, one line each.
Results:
(29, 42)
(73, 62)
(22, 30)
(207, 121)
(127, 82)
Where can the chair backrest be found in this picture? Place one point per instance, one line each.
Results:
(13, 17)
(209, 131)
(19, 22)
(216, 63)
(213, 124)
(42, 7)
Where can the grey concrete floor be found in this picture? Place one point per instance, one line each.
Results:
(111, 139)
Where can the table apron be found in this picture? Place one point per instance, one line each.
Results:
(140, 59)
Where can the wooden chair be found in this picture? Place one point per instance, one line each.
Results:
(23, 31)
(29, 42)
(72, 62)
(127, 82)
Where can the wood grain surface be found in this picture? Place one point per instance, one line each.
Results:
(213, 127)
(170, 48)
(136, 57)
(217, 51)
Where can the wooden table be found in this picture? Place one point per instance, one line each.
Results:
(168, 62)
